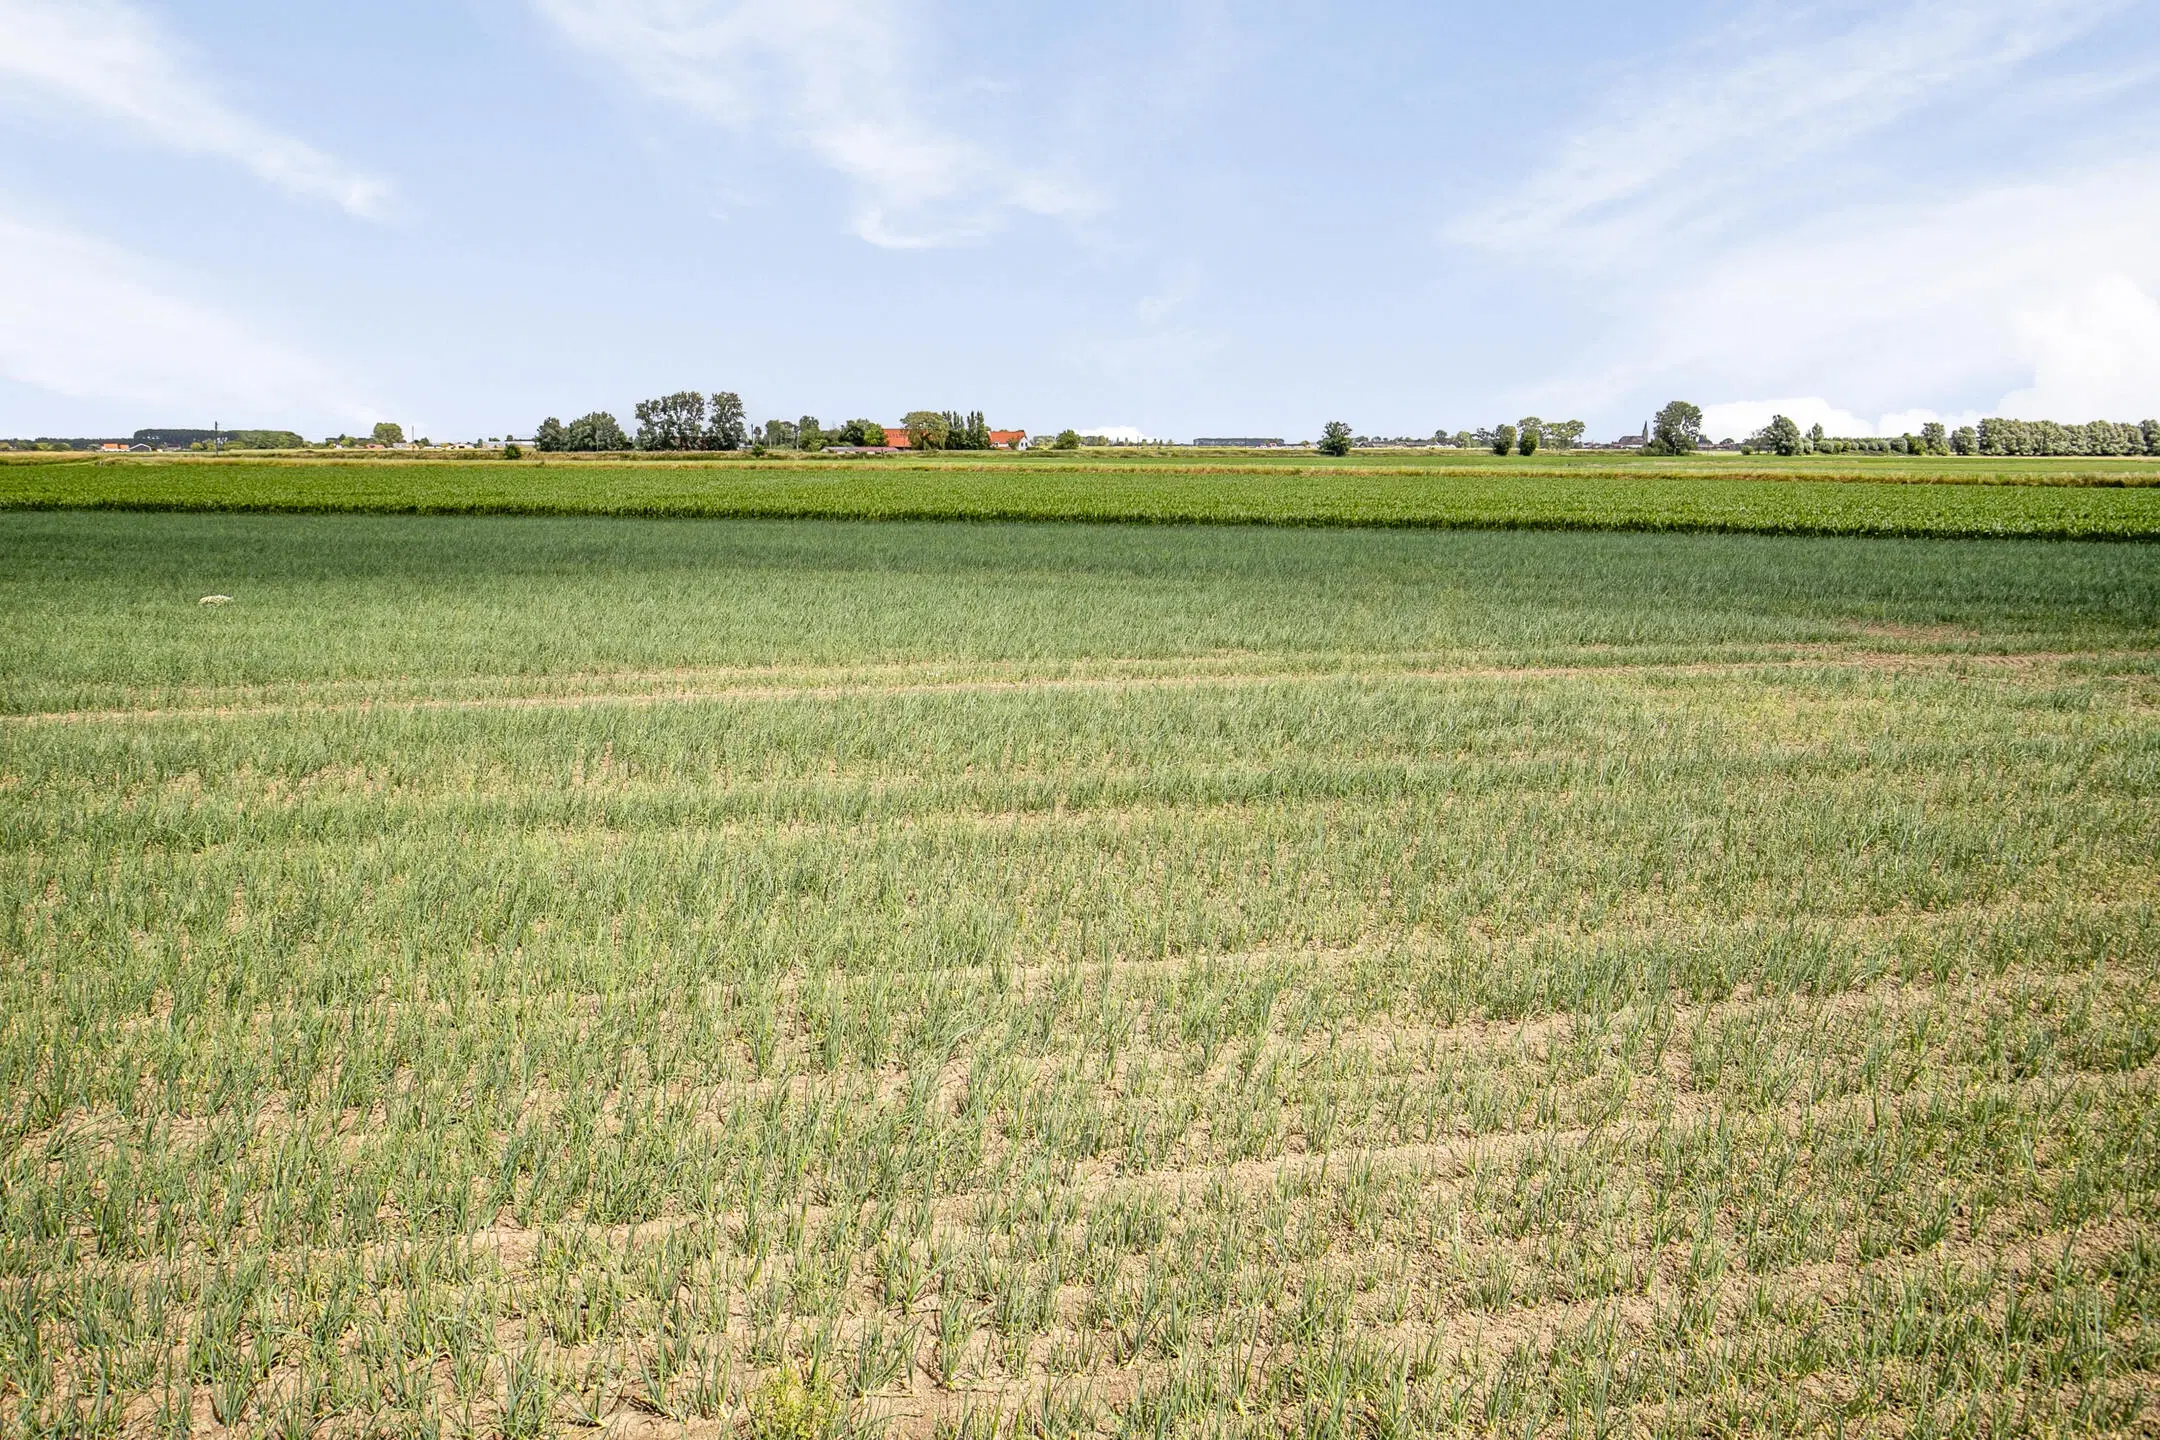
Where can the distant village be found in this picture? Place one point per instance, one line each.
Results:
(686, 422)
(783, 436)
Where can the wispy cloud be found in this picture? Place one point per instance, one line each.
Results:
(1717, 124)
(841, 79)
(1711, 201)
(2035, 299)
(108, 59)
(82, 318)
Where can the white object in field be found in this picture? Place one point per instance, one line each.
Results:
(215, 600)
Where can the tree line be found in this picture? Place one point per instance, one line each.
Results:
(1993, 436)
(688, 420)
(1525, 437)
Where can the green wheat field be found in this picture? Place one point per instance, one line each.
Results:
(793, 978)
(1882, 495)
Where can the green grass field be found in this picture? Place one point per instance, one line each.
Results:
(509, 976)
(1817, 495)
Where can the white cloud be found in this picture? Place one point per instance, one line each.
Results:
(1712, 205)
(772, 63)
(1738, 419)
(1961, 296)
(1720, 119)
(1908, 422)
(83, 319)
(107, 58)
(2096, 355)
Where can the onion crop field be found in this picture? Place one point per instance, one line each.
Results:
(1814, 495)
(782, 978)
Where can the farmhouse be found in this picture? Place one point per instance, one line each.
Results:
(897, 438)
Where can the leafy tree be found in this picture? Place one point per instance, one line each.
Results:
(672, 422)
(389, 432)
(724, 427)
(1335, 438)
(1934, 439)
(1564, 434)
(1503, 440)
(1529, 434)
(1815, 436)
(965, 432)
(781, 434)
(860, 432)
(1781, 436)
(1066, 440)
(513, 451)
(809, 435)
(548, 435)
(597, 431)
(1964, 441)
(926, 429)
(1676, 431)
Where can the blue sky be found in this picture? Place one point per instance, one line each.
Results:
(1183, 216)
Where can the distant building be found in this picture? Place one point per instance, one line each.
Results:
(1240, 442)
(896, 438)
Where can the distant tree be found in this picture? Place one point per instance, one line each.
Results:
(1564, 434)
(860, 432)
(1781, 436)
(1964, 441)
(1503, 440)
(672, 422)
(1815, 436)
(965, 432)
(389, 432)
(724, 426)
(597, 431)
(513, 451)
(780, 434)
(926, 429)
(2151, 431)
(1335, 438)
(1934, 439)
(1066, 440)
(1676, 431)
(1529, 434)
(809, 434)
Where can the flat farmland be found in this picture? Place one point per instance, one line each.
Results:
(518, 976)
(1881, 495)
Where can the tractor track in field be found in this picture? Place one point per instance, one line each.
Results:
(1825, 658)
